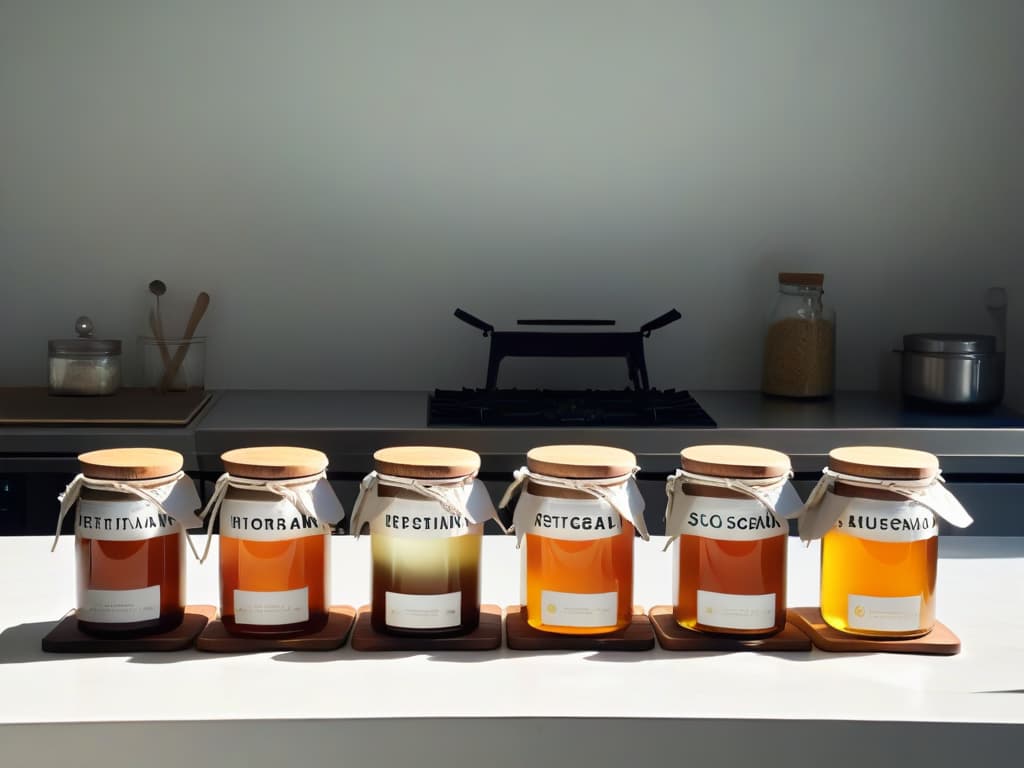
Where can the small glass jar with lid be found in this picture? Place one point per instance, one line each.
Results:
(800, 341)
(131, 509)
(575, 522)
(876, 511)
(84, 365)
(727, 512)
(276, 511)
(425, 511)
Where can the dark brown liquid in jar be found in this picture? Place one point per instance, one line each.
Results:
(105, 568)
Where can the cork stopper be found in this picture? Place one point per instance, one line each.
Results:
(130, 463)
(580, 462)
(883, 462)
(274, 462)
(802, 278)
(739, 461)
(426, 462)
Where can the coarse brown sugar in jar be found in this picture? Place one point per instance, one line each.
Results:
(575, 520)
(425, 511)
(877, 511)
(729, 563)
(274, 546)
(129, 552)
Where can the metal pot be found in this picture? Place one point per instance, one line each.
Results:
(953, 368)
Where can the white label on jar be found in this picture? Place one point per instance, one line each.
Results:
(884, 614)
(574, 609)
(120, 606)
(567, 519)
(416, 519)
(724, 519)
(266, 521)
(891, 521)
(403, 611)
(134, 520)
(718, 609)
(287, 606)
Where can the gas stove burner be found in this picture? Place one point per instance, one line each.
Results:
(566, 408)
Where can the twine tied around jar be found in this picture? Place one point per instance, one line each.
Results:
(764, 490)
(817, 517)
(296, 491)
(448, 492)
(142, 489)
(607, 489)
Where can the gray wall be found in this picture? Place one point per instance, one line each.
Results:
(341, 175)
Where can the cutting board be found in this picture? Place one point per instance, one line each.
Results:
(34, 406)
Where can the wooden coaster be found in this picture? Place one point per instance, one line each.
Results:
(673, 637)
(520, 636)
(66, 637)
(216, 639)
(939, 642)
(486, 637)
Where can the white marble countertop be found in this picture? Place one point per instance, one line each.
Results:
(980, 596)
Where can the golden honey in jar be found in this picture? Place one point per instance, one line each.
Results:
(575, 521)
(729, 563)
(425, 511)
(132, 508)
(877, 513)
(275, 541)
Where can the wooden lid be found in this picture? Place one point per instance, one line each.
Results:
(580, 462)
(802, 278)
(426, 462)
(277, 462)
(740, 461)
(130, 463)
(883, 462)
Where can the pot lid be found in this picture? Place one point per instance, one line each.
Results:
(950, 343)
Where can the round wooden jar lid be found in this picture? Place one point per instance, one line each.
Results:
(426, 462)
(130, 463)
(580, 462)
(739, 461)
(274, 462)
(883, 462)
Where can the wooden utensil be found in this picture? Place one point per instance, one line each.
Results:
(198, 310)
(158, 334)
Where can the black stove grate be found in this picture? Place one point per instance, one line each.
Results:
(568, 408)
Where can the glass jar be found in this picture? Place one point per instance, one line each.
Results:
(426, 512)
(799, 345)
(575, 521)
(729, 564)
(129, 553)
(84, 365)
(274, 545)
(879, 549)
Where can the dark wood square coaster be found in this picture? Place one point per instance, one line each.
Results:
(216, 639)
(486, 637)
(939, 642)
(520, 636)
(672, 637)
(66, 637)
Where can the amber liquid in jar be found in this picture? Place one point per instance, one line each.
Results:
(855, 566)
(579, 567)
(275, 566)
(425, 567)
(131, 565)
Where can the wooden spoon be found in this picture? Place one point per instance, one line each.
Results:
(198, 310)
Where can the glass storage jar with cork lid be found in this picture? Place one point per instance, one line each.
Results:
(876, 510)
(133, 508)
(800, 342)
(574, 521)
(426, 512)
(276, 511)
(727, 510)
